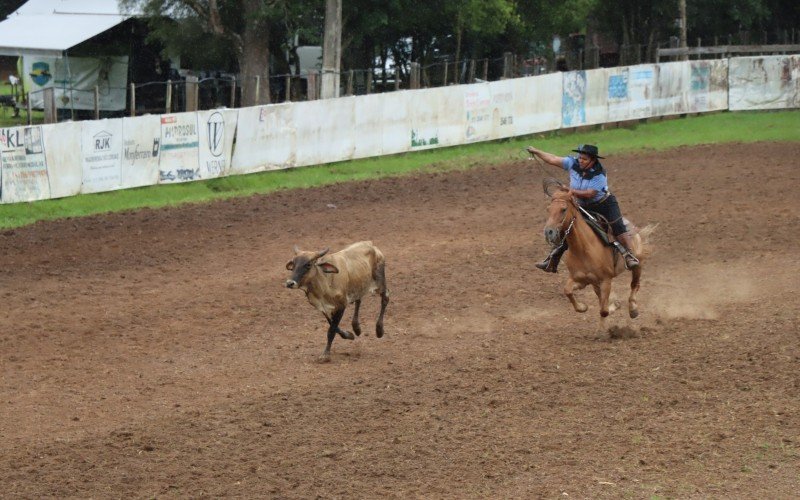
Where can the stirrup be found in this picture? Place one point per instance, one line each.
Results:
(547, 265)
(630, 261)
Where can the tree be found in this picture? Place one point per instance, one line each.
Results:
(243, 26)
(9, 6)
(479, 17)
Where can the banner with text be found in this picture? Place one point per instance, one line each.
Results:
(180, 157)
(23, 166)
(141, 150)
(101, 144)
(217, 130)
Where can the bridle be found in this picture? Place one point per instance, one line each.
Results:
(565, 232)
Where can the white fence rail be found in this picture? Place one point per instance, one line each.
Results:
(65, 159)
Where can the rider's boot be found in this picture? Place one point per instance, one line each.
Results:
(623, 247)
(550, 263)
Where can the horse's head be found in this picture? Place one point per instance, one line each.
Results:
(560, 214)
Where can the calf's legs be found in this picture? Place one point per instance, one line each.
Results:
(356, 326)
(380, 277)
(333, 329)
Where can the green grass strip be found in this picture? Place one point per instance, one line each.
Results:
(713, 128)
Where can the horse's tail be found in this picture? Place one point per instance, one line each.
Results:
(646, 234)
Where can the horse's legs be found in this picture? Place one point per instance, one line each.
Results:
(603, 291)
(633, 307)
(611, 299)
(569, 286)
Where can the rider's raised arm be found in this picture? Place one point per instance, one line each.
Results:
(549, 158)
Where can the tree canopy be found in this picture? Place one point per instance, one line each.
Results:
(254, 37)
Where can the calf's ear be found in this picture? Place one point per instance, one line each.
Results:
(327, 267)
(290, 265)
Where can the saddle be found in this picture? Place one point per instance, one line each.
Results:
(602, 228)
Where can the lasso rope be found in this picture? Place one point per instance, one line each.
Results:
(550, 184)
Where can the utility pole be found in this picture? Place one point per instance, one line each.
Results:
(332, 49)
(682, 10)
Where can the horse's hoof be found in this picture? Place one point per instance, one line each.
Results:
(357, 330)
(379, 331)
(581, 308)
(603, 314)
(349, 336)
(634, 313)
(325, 358)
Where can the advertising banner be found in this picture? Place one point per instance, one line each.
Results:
(396, 129)
(437, 118)
(24, 166)
(217, 130)
(64, 158)
(368, 126)
(423, 119)
(265, 139)
(101, 147)
(630, 91)
(596, 94)
(764, 82)
(141, 150)
(573, 103)
(74, 79)
(538, 103)
(671, 92)
(478, 109)
(180, 157)
(450, 116)
(324, 130)
(502, 109)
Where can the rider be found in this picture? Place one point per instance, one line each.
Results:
(589, 184)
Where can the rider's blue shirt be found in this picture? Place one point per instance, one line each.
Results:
(592, 178)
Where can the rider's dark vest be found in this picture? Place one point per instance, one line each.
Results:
(589, 173)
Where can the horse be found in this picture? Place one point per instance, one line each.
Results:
(589, 260)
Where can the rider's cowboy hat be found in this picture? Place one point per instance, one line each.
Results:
(588, 149)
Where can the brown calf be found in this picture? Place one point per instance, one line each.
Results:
(339, 279)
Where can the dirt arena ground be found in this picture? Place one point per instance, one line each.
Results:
(157, 354)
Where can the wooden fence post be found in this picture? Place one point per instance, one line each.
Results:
(29, 107)
(168, 106)
(96, 102)
(258, 89)
(191, 93)
(233, 92)
(133, 99)
(349, 83)
(312, 85)
(288, 88)
(507, 64)
(50, 113)
(369, 82)
(414, 79)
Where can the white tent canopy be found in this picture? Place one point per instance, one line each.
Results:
(49, 27)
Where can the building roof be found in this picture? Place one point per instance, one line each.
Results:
(49, 27)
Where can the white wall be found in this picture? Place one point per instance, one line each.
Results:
(65, 159)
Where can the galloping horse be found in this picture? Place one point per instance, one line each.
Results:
(589, 260)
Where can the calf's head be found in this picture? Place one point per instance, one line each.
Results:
(305, 266)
